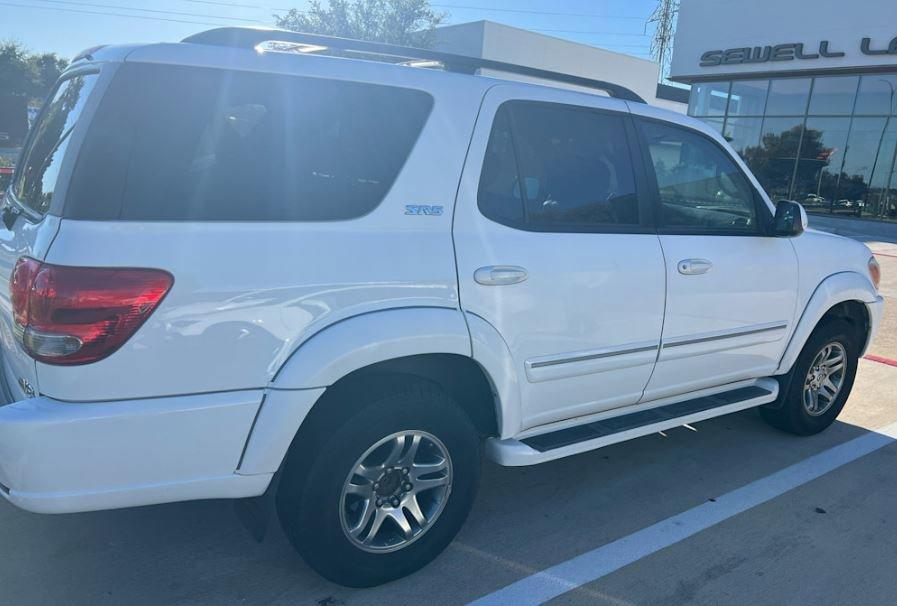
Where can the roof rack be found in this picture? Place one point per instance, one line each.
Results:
(251, 37)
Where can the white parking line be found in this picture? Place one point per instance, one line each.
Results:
(600, 562)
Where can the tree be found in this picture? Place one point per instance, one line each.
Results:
(27, 74)
(403, 22)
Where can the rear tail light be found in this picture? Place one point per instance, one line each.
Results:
(77, 315)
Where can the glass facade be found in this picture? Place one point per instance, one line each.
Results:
(828, 142)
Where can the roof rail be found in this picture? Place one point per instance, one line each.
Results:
(250, 37)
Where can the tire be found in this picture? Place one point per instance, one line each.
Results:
(314, 508)
(791, 413)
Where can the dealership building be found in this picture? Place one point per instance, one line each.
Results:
(805, 91)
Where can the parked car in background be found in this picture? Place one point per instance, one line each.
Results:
(334, 282)
(814, 200)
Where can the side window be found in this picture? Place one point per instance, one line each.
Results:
(36, 179)
(557, 167)
(700, 186)
(180, 143)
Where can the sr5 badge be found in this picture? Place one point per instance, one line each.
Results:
(423, 209)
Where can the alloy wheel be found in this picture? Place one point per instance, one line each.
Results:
(824, 379)
(395, 491)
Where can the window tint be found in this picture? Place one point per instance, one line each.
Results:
(700, 187)
(42, 158)
(177, 143)
(558, 167)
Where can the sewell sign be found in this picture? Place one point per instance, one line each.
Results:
(791, 51)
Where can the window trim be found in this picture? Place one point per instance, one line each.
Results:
(640, 180)
(25, 210)
(764, 217)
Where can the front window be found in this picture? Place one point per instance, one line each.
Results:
(701, 188)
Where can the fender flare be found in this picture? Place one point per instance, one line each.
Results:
(837, 288)
(492, 353)
(363, 340)
(369, 338)
(333, 353)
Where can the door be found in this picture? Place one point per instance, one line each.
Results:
(731, 288)
(556, 252)
(27, 230)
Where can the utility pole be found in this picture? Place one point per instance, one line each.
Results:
(664, 16)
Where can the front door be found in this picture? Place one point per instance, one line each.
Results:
(555, 250)
(731, 287)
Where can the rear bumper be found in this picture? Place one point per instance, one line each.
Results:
(60, 457)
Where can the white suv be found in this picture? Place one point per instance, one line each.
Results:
(328, 280)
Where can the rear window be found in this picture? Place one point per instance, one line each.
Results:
(180, 143)
(35, 182)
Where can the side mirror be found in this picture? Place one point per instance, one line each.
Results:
(790, 219)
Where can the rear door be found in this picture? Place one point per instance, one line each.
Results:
(28, 228)
(556, 251)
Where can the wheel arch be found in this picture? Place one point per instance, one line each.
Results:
(461, 377)
(845, 295)
(384, 337)
(364, 354)
(363, 340)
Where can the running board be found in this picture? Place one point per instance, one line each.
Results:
(589, 436)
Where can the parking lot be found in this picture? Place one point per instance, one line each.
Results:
(730, 511)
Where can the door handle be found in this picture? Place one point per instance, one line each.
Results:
(694, 267)
(499, 275)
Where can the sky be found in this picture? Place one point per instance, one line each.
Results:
(69, 26)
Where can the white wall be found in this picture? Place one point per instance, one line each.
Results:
(706, 25)
(673, 106)
(498, 42)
